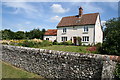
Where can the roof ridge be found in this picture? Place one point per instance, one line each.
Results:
(51, 29)
(69, 16)
(90, 13)
(83, 14)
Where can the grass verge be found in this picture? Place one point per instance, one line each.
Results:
(80, 49)
(9, 71)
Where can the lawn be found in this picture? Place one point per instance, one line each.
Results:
(80, 49)
(48, 45)
(9, 71)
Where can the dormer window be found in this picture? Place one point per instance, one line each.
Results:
(78, 21)
(85, 29)
(64, 30)
(74, 28)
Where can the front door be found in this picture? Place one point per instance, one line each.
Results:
(74, 40)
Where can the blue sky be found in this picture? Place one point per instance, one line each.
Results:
(26, 16)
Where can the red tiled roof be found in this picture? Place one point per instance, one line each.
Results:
(85, 19)
(52, 32)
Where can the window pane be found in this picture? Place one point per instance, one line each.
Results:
(85, 28)
(83, 38)
(64, 30)
(47, 38)
(87, 38)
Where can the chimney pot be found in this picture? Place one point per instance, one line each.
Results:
(80, 11)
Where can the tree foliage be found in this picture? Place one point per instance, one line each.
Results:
(19, 35)
(7, 34)
(111, 44)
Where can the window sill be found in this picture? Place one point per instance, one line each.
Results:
(63, 33)
(85, 32)
(85, 41)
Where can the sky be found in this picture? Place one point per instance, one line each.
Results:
(26, 16)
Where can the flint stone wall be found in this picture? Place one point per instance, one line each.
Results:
(59, 64)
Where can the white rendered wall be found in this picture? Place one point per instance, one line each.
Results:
(98, 31)
(51, 38)
(76, 33)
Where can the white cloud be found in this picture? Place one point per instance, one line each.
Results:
(113, 5)
(23, 8)
(103, 23)
(57, 8)
(61, 0)
(25, 27)
(27, 22)
(88, 7)
(55, 19)
(92, 8)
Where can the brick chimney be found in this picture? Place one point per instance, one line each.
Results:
(80, 11)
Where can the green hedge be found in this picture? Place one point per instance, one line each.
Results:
(30, 43)
(117, 72)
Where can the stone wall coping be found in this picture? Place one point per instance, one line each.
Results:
(90, 55)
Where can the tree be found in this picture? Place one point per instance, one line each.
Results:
(35, 33)
(111, 44)
(7, 34)
(19, 35)
(43, 31)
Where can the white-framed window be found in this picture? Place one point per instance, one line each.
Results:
(85, 28)
(64, 30)
(74, 28)
(64, 39)
(47, 38)
(85, 38)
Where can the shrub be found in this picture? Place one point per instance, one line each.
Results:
(98, 45)
(89, 45)
(117, 72)
(91, 49)
(83, 45)
(65, 43)
(99, 48)
(46, 43)
(61, 43)
(6, 43)
(55, 42)
(69, 42)
(79, 40)
(31, 43)
(27, 43)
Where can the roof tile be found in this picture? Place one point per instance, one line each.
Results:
(52, 32)
(85, 19)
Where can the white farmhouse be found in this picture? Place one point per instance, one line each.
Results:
(51, 35)
(86, 26)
